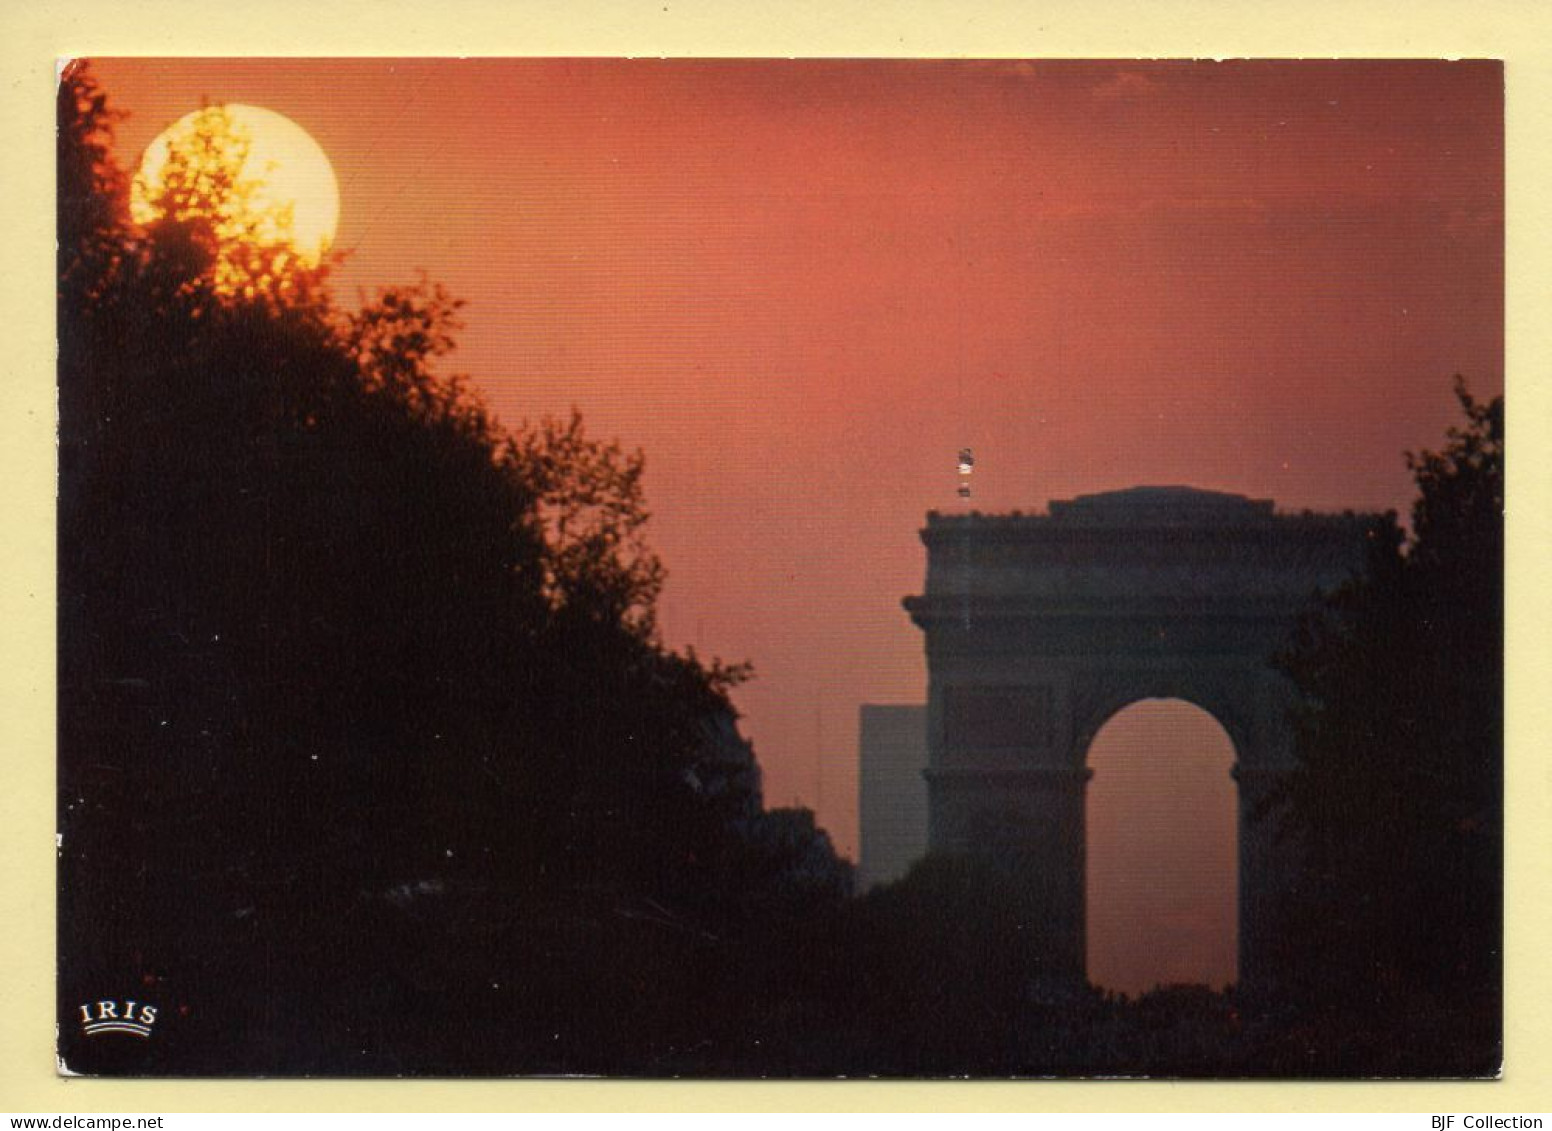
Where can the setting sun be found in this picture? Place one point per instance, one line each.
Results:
(283, 178)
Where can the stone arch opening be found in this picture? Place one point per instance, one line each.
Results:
(1162, 837)
(1039, 628)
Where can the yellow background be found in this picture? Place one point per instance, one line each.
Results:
(34, 36)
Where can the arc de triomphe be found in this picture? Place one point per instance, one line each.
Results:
(1039, 628)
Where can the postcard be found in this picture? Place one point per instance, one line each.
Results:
(781, 568)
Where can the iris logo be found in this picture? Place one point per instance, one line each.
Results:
(130, 1017)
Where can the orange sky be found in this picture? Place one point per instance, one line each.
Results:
(801, 287)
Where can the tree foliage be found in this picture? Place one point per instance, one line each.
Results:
(1398, 794)
(92, 189)
(205, 208)
(345, 666)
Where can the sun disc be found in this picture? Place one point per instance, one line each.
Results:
(287, 167)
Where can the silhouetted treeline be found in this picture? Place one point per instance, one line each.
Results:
(366, 729)
(372, 759)
(1397, 921)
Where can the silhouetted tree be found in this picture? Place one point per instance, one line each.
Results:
(942, 967)
(1398, 794)
(92, 190)
(364, 711)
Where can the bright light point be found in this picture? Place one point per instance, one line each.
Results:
(289, 172)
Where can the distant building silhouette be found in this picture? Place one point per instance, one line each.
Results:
(892, 793)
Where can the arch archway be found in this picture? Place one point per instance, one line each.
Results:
(1161, 889)
(1039, 628)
